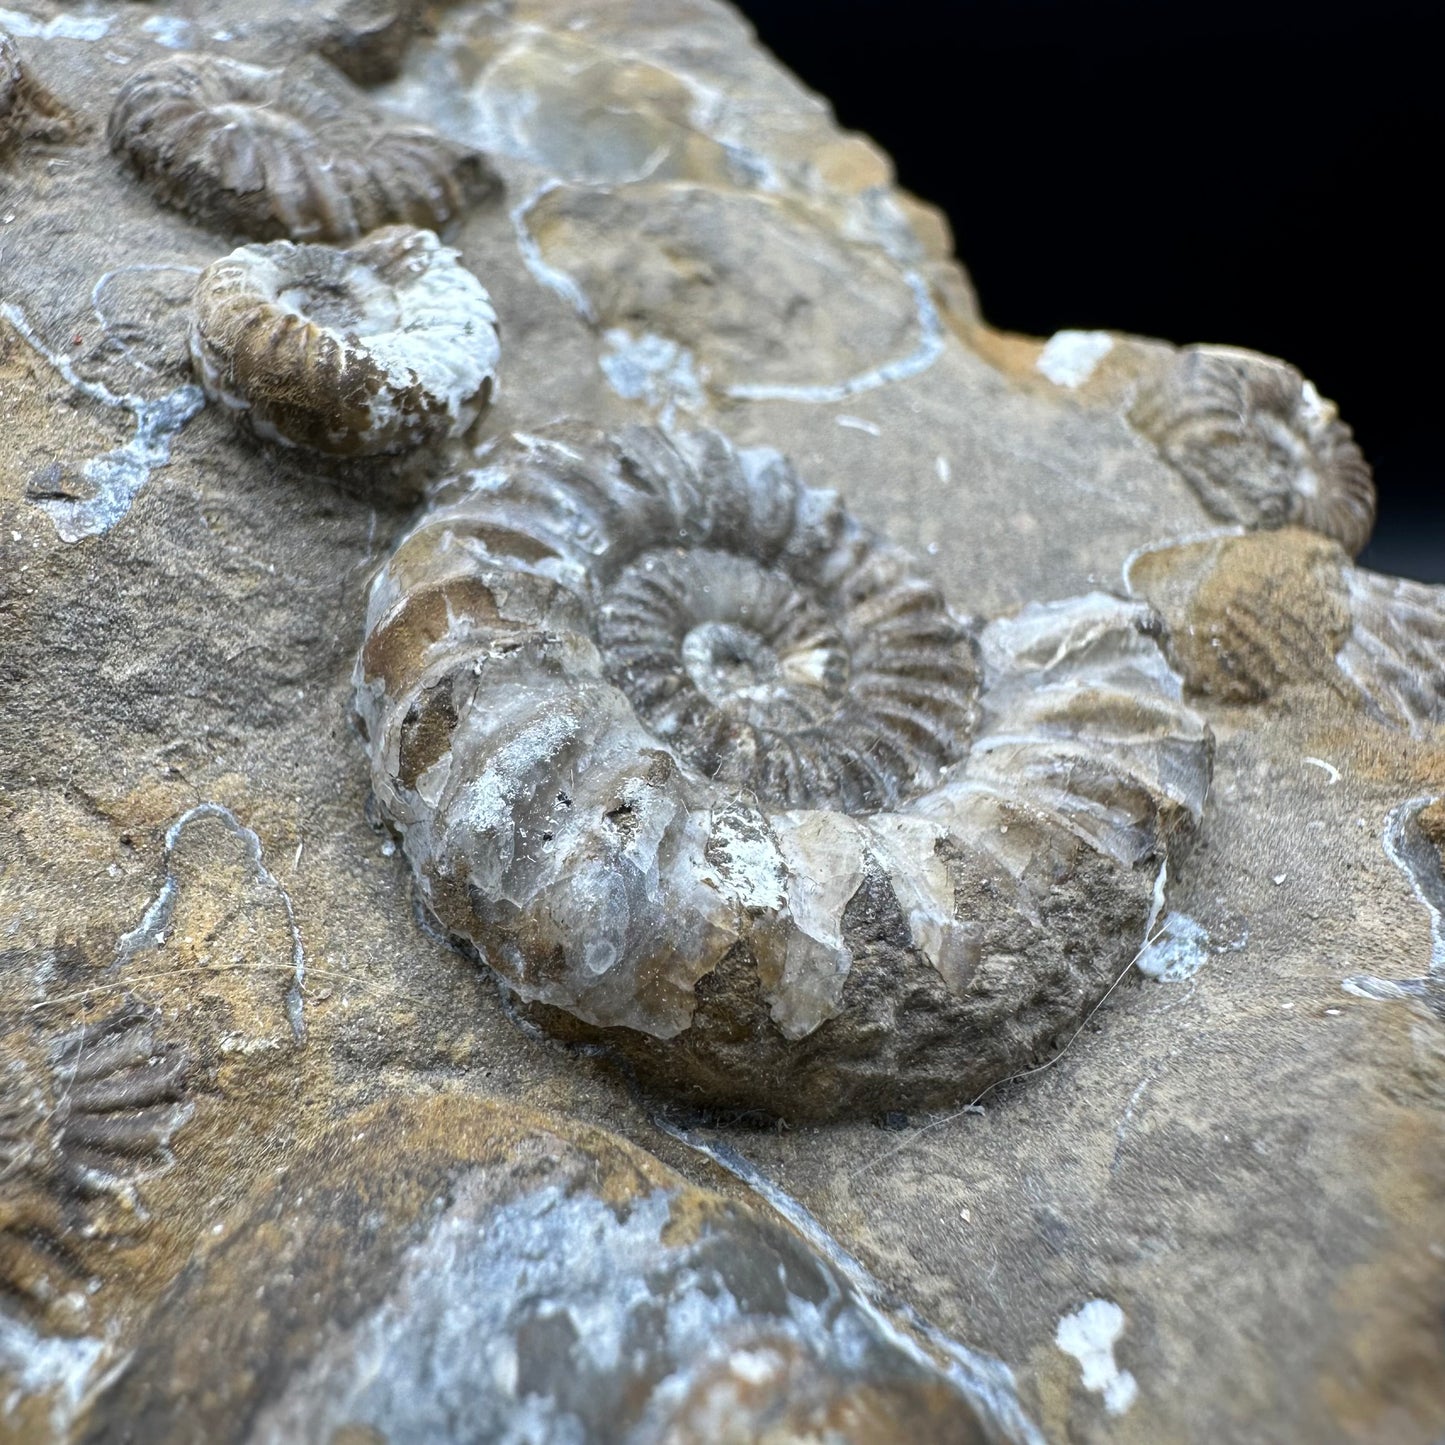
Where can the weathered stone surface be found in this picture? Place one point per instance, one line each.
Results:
(1238, 1157)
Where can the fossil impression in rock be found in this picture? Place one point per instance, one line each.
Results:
(1258, 443)
(294, 152)
(378, 347)
(448, 1234)
(89, 1113)
(702, 767)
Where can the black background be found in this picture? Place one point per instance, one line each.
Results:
(1259, 174)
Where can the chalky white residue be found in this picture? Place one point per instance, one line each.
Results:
(62, 27)
(1069, 357)
(1089, 1335)
(150, 932)
(653, 370)
(172, 31)
(543, 272)
(36, 1364)
(1176, 952)
(116, 475)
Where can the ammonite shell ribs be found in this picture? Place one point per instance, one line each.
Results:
(295, 152)
(1259, 444)
(703, 767)
(379, 347)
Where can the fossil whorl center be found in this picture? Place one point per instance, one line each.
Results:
(376, 348)
(703, 767)
(1259, 444)
(293, 153)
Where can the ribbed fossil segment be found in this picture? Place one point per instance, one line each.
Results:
(380, 347)
(1395, 651)
(693, 758)
(1254, 615)
(120, 1096)
(294, 152)
(87, 1114)
(1259, 444)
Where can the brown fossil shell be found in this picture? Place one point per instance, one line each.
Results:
(379, 347)
(1253, 615)
(704, 768)
(1258, 444)
(295, 152)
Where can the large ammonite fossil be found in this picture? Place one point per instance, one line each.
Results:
(296, 152)
(1258, 444)
(703, 768)
(377, 347)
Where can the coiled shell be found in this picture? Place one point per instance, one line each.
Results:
(1259, 444)
(704, 768)
(295, 152)
(379, 347)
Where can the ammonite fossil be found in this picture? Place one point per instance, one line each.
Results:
(476, 1273)
(702, 767)
(1258, 443)
(378, 347)
(296, 152)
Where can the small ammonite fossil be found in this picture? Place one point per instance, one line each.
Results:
(378, 347)
(295, 152)
(1258, 443)
(704, 768)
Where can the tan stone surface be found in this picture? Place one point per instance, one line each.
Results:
(1245, 1161)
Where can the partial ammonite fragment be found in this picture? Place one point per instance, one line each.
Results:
(378, 347)
(27, 110)
(450, 1269)
(296, 152)
(1258, 444)
(707, 770)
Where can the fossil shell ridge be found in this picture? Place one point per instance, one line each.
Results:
(379, 347)
(1258, 443)
(654, 812)
(295, 152)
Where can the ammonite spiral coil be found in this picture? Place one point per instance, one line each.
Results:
(702, 767)
(379, 347)
(1259, 444)
(295, 153)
